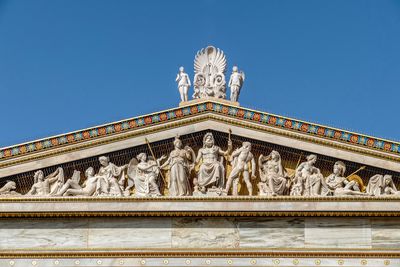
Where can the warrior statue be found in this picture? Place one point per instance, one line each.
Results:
(241, 159)
(235, 83)
(209, 68)
(183, 81)
(212, 171)
(338, 185)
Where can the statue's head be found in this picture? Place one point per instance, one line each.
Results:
(208, 140)
(38, 176)
(339, 168)
(387, 179)
(312, 158)
(177, 142)
(247, 145)
(235, 69)
(275, 155)
(181, 69)
(104, 160)
(142, 157)
(89, 172)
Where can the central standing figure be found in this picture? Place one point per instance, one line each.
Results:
(241, 159)
(212, 171)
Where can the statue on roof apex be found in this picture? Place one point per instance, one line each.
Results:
(209, 68)
(183, 80)
(235, 83)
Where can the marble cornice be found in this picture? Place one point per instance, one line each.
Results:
(192, 206)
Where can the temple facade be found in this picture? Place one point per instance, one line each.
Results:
(207, 183)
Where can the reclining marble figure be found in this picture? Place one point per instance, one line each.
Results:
(338, 185)
(72, 187)
(9, 189)
(47, 186)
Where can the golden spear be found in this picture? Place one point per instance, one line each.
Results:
(359, 169)
(152, 154)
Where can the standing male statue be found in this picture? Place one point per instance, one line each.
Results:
(235, 83)
(184, 84)
(241, 159)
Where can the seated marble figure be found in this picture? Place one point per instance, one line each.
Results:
(145, 172)
(110, 178)
(273, 176)
(308, 178)
(381, 185)
(211, 174)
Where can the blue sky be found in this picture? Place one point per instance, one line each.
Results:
(67, 65)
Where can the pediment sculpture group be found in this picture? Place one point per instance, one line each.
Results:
(216, 172)
(209, 79)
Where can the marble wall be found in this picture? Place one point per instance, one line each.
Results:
(198, 233)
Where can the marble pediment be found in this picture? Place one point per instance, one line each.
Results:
(154, 135)
(207, 114)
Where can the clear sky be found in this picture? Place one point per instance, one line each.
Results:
(67, 65)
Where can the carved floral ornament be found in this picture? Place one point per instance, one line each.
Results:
(211, 172)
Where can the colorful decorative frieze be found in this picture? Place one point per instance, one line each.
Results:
(182, 112)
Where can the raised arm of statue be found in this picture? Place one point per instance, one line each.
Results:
(53, 177)
(166, 164)
(228, 151)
